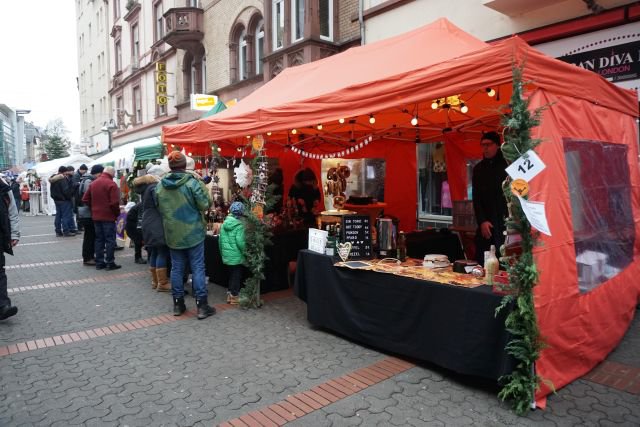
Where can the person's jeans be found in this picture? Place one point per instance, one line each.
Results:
(193, 257)
(88, 239)
(236, 272)
(158, 256)
(4, 296)
(63, 221)
(105, 242)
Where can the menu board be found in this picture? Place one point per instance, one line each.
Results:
(357, 230)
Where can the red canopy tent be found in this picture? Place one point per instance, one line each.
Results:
(590, 124)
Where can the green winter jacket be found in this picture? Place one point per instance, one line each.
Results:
(232, 241)
(182, 199)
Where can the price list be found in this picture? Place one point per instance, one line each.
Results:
(357, 230)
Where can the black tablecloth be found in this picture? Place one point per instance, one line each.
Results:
(450, 326)
(284, 249)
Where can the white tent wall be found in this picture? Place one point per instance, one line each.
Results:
(46, 170)
(122, 156)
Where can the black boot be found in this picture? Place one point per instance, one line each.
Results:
(140, 260)
(178, 306)
(204, 310)
(8, 311)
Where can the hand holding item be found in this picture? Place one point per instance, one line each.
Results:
(14, 242)
(485, 229)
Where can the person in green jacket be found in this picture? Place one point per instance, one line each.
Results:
(232, 249)
(182, 201)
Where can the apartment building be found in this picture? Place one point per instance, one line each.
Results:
(92, 30)
(8, 136)
(230, 48)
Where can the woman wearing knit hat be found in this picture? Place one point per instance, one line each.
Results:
(232, 244)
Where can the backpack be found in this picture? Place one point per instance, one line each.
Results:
(84, 211)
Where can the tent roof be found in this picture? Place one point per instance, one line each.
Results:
(122, 156)
(431, 62)
(50, 167)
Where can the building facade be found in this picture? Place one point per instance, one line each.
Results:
(92, 31)
(7, 137)
(32, 136)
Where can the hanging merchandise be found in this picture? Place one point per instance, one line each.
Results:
(243, 174)
(261, 180)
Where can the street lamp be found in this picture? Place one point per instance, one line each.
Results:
(109, 127)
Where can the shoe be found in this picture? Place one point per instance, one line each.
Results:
(112, 267)
(140, 261)
(70, 234)
(233, 300)
(228, 297)
(118, 248)
(90, 262)
(100, 266)
(178, 306)
(163, 280)
(8, 311)
(204, 310)
(59, 235)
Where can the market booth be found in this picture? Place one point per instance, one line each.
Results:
(46, 170)
(361, 103)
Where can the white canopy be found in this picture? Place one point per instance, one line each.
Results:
(122, 156)
(50, 167)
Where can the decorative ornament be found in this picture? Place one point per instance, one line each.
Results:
(344, 249)
(519, 187)
(260, 182)
(258, 142)
(243, 174)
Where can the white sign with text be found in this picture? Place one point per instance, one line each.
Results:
(317, 240)
(526, 166)
(536, 215)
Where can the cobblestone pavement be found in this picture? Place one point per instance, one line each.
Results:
(100, 348)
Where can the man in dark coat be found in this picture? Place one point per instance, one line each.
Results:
(9, 236)
(84, 217)
(489, 204)
(76, 178)
(62, 194)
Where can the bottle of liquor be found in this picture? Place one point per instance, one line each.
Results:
(401, 247)
(491, 265)
(331, 241)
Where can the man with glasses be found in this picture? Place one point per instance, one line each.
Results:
(489, 204)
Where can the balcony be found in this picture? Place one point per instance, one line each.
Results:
(184, 28)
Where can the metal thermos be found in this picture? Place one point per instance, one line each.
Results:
(386, 235)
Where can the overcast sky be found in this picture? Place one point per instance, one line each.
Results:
(38, 61)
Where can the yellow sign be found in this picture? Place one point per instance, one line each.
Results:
(161, 83)
(203, 102)
(519, 187)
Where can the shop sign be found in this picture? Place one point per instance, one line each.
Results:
(356, 230)
(615, 63)
(161, 83)
(203, 102)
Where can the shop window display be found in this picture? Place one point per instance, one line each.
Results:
(365, 180)
(601, 212)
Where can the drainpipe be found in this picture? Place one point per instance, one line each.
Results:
(361, 20)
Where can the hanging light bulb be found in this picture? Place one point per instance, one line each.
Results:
(463, 108)
(319, 127)
(248, 136)
(190, 154)
(414, 121)
(341, 121)
(268, 133)
(434, 105)
(219, 149)
(294, 131)
(239, 149)
(372, 119)
(490, 91)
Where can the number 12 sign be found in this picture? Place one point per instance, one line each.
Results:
(526, 166)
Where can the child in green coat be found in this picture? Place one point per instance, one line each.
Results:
(232, 249)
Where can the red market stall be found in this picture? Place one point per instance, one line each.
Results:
(361, 103)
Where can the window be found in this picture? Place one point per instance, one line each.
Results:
(116, 10)
(242, 56)
(135, 45)
(93, 116)
(99, 62)
(137, 104)
(297, 20)
(159, 20)
(204, 74)
(601, 212)
(192, 3)
(118, 58)
(326, 19)
(89, 33)
(259, 44)
(278, 23)
(91, 74)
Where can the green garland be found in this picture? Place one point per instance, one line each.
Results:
(519, 386)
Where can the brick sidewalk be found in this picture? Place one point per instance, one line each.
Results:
(101, 348)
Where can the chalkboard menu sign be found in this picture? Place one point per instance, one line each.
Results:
(357, 230)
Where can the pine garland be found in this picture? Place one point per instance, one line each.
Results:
(520, 385)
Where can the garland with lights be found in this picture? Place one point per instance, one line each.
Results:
(519, 387)
(340, 153)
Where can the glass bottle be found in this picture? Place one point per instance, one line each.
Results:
(402, 247)
(490, 265)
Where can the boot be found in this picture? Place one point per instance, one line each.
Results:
(163, 280)
(154, 277)
(204, 310)
(178, 306)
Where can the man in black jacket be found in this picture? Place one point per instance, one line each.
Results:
(77, 201)
(62, 194)
(489, 204)
(9, 236)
